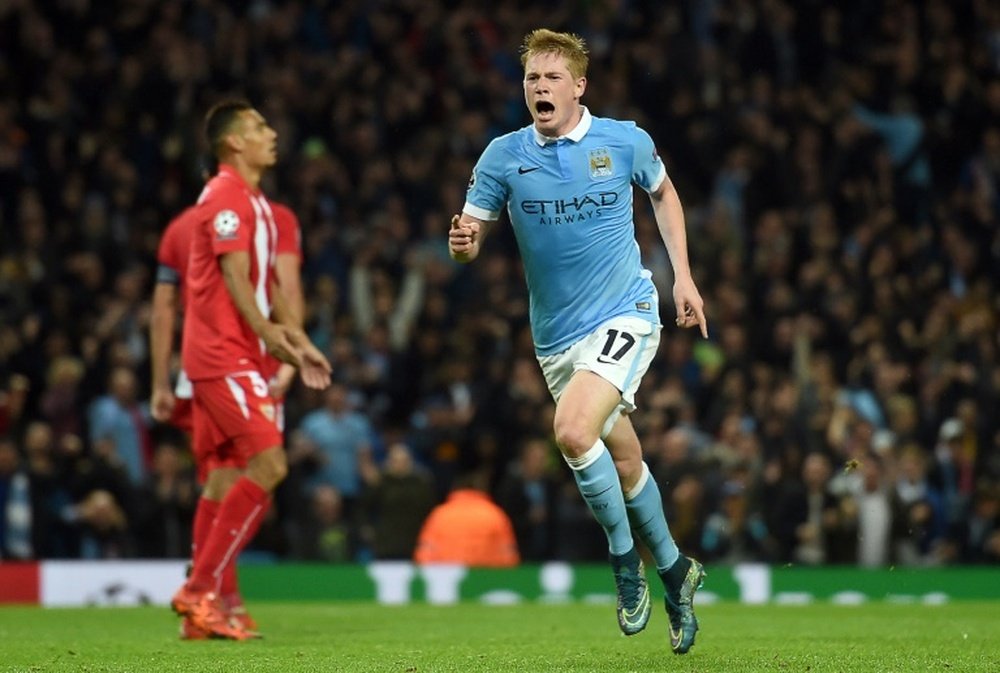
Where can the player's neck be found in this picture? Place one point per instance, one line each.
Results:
(250, 174)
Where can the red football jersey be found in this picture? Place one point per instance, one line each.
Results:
(230, 218)
(289, 234)
(174, 251)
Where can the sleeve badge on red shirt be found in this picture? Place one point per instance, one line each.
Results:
(226, 224)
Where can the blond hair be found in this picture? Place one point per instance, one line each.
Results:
(568, 45)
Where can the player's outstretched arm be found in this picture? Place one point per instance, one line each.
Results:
(670, 221)
(161, 339)
(465, 238)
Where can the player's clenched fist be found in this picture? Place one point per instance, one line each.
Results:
(162, 404)
(462, 239)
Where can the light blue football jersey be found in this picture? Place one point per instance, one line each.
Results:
(570, 202)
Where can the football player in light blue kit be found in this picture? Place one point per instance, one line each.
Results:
(566, 181)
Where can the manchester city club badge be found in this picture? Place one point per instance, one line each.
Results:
(600, 163)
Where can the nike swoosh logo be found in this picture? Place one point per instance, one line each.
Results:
(527, 169)
(631, 615)
(606, 361)
(639, 609)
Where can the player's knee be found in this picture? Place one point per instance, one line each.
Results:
(279, 470)
(278, 466)
(269, 468)
(574, 439)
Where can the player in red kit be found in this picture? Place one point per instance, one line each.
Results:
(216, 473)
(235, 318)
(279, 375)
(170, 405)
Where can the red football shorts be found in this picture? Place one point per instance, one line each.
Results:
(234, 419)
(181, 416)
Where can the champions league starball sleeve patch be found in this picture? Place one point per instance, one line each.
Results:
(226, 224)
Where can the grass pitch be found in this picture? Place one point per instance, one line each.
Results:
(959, 637)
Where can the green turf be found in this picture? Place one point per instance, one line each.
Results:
(959, 637)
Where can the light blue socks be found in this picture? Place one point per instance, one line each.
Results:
(598, 482)
(645, 515)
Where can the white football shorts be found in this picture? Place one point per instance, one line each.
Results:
(619, 351)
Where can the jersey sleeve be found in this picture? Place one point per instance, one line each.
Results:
(289, 231)
(233, 221)
(647, 168)
(487, 194)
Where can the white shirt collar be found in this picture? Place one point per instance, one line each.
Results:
(576, 135)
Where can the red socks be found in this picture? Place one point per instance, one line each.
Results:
(204, 519)
(238, 518)
(228, 589)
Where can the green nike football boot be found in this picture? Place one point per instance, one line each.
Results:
(633, 592)
(679, 602)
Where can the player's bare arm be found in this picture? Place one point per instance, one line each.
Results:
(235, 268)
(287, 268)
(670, 221)
(289, 279)
(465, 238)
(313, 366)
(161, 337)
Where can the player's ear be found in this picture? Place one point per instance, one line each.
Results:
(233, 141)
(581, 86)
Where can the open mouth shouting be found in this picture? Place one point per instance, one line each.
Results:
(544, 110)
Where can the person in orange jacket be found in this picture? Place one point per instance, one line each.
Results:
(468, 528)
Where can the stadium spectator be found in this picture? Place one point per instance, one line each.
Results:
(16, 516)
(807, 515)
(340, 439)
(119, 426)
(52, 487)
(166, 502)
(14, 396)
(61, 404)
(324, 534)
(919, 517)
(980, 531)
(868, 512)
(528, 493)
(468, 528)
(734, 533)
(104, 531)
(396, 505)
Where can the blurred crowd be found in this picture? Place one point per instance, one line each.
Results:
(839, 163)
